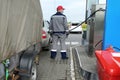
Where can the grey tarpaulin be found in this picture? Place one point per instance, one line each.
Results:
(20, 25)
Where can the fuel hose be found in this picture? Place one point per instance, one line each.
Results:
(88, 18)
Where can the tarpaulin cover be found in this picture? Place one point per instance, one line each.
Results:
(20, 26)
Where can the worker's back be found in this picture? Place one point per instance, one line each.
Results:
(58, 22)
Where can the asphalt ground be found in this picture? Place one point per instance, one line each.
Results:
(59, 69)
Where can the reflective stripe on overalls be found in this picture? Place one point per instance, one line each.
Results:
(58, 37)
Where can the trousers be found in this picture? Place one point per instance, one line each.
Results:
(84, 35)
(58, 38)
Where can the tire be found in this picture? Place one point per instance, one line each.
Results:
(33, 74)
(47, 48)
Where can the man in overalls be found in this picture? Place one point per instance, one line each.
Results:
(59, 31)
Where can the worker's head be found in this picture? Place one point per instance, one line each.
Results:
(60, 9)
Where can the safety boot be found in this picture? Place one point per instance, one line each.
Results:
(64, 55)
(53, 54)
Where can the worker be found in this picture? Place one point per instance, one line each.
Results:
(59, 32)
(84, 28)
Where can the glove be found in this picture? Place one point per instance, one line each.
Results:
(50, 32)
(67, 32)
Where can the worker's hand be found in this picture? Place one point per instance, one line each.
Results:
(50, 32)
(67, 32)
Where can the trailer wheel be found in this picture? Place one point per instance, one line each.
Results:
(33, 74)
(28, 66)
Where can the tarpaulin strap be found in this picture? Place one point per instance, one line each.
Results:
(6, 65)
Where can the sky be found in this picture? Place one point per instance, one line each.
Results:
(102, 1)
(74, 9)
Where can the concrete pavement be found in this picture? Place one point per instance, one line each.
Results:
(59, 69)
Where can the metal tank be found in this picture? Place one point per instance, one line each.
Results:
(95, 29)
(89, 4)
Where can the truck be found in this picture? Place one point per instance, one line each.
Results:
(20, 38)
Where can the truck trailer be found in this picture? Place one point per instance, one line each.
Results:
(20, 38)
